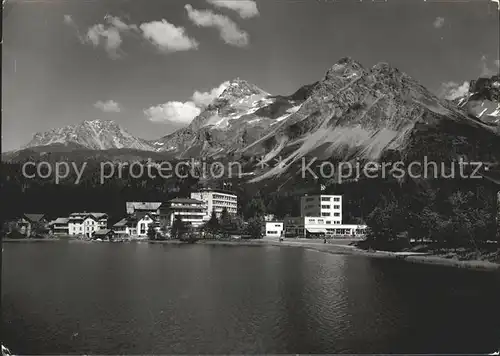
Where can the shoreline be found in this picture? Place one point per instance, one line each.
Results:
(338, 247)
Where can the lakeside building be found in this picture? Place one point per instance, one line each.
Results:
(60, 226)
(191, 211)
(126, 227)
(144, 220)
(216, 200)
(328, 207)
(85, 224)
(310, 226)
(143, 207)
(28, 222)
(104, 234)
(273, 228)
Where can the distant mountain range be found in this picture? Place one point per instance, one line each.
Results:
(351, 113)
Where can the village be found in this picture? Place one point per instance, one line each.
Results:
(207, 213)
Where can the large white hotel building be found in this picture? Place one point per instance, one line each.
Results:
(216, 200)
(327, 207)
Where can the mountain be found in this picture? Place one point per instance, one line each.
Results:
(483, 100)
(92, 135)
(352, 113)
(238, 117)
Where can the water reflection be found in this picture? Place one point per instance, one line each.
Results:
(141, 298)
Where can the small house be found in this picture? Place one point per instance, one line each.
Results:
(104, 234)
(31, 224)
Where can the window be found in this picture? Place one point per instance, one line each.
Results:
(277, 225)
(321, 221)
(325, 206)
(272, 232)
(336, 206)
(336, 214)
(325, 214)
(325, 198)
(309, 199)
(336, 199)
(328, 222)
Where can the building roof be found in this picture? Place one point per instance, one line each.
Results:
(185, 201)
(133, 206)
(84, 215)
(102, 232)
(60, 221)
(142, 214)
(34, 217)
(122, 222)
(216, 190)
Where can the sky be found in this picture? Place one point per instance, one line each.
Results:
(152, 65)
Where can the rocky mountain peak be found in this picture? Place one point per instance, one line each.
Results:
(346, 68)
(90, 134)
(239, 88)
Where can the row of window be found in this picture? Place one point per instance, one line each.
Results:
(224, 203)
(328, 214)
(225, 197)
(336, 207)
(336, 199)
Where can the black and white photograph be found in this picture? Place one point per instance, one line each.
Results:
(233, 177)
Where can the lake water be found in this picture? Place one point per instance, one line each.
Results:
(70, 297)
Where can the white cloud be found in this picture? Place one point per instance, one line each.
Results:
(183, 113)
(108, 106)
(452, 90)
(206, 98)
(173, 111)
(162, 34)
(245, 8)
(167, 37)
(228, 30)
(486, 71)
(117, 23)
(109, 36)
(68, 20)
(438, 22)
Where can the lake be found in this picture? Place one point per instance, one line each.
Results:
(139, 298)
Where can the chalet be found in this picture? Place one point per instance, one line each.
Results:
(85, 224)
(103, 234)
(143, 207)
(30, 222)
(144, 220)
(60, 226)
(126, 227)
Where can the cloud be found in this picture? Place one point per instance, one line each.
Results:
(229, 31)
(486, 71)
(183, 113)
(206, 98)
(119, 24)
(453, 90)
(245, 8)
(108, 36)
(162, 34)
(108, 106)
(68, 20)
(173, 111)
(438, 22)
(167, 37)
